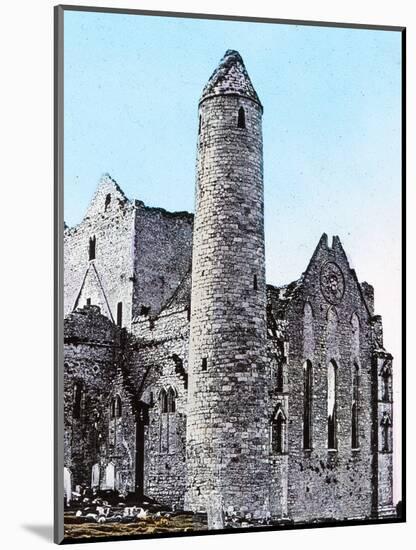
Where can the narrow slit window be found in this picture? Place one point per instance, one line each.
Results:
(386, 377)
(88, 301)
(91, 251)
(200, 124)
(279, 377)
(241, 118)
(204, 363)
(278, 431)
(255, 285)
(120, 314)
(116, 407)
(107, 202)
(332, 405)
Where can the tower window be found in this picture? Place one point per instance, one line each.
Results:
(354, 409)
(278, 430)
(204, 363)
(107, 202)
(120, 314)
(332, 405)
(307, 405)
(255, 285)
(88, 301)
(76, 412)
(200, 124)
(92, 248)
(241, 118)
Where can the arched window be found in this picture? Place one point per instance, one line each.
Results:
(241, 118)
(354, 408)
(163, 399)
(385, 432)
(332, 405)
(278, 430)
(92, 248)
(76, 412)
(307, 405)
(116, 407)
(171, 398)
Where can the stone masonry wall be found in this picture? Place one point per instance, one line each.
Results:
(163, 355)
(91, 348)
(325, 483)
(163, 251)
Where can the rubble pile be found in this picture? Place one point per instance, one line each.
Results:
(108, 513)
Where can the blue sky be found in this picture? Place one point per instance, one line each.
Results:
(332, 130)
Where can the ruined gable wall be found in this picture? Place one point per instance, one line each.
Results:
(336, 484)
(91, 347)
(163, 252)
(113, 227)
(94, 351)
(160, 341)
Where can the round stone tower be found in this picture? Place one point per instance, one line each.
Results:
(227, 425)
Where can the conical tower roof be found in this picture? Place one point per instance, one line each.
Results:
(230, 78)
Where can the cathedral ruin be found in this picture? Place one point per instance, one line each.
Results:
(191, 381)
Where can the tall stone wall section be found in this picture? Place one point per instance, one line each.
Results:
(94, 351)
(162, 355)
(163, 252)
(328, 483)
(227, 429)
